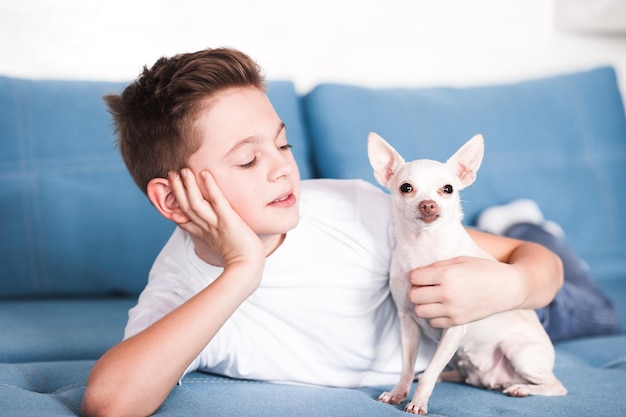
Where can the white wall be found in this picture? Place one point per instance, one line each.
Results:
(376, 43)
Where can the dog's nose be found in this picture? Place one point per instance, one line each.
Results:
(428, 207)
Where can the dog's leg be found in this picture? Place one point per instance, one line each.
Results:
(450, 376)
(447, 347)
(410, 336)
(533, 362)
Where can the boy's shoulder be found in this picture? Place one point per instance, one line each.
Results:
(330, 187)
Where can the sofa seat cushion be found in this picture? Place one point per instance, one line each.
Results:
(56, 389)
(600, 352)
(592, 392)
(61, 329)
(48, 389)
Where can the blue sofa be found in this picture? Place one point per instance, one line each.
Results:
(78, 237)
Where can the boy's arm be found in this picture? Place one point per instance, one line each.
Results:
(465, 289)
(134, 377)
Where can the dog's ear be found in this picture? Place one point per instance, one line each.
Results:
(466, 161)
(383, 158)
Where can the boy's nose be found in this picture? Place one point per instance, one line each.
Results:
(282, 166)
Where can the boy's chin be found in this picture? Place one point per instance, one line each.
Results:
(288, 226)
(285, 226)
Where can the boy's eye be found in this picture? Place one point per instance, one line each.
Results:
(447, 189)
(285, 147)
(406, 188)
(249, 164)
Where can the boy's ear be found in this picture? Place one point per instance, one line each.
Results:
(162, 197)
(383, 158)
(466, 161)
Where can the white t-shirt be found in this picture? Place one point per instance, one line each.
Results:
(323, 313)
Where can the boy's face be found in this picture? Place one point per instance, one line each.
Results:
(244, 146)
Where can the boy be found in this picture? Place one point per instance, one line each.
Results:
(265, 277)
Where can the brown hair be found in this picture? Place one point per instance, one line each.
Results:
(154, 115)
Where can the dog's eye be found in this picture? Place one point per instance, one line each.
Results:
(406, 188)
(447, 189)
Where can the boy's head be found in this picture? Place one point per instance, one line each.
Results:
(208, 111)
(154, 116)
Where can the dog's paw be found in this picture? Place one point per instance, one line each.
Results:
(553, 387)
(392, 397)
(415, 408)
(517, 390)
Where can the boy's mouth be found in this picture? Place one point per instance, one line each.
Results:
(278, 200)
(284, 200)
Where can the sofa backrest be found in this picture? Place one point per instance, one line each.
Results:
(72, 220)
(559, 140)
(74, 223)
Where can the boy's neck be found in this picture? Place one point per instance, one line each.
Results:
(272, 247)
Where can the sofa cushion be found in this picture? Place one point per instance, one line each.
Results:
(559, 140)
(599, 352)
(61, 329)
(48, 389)
(56, 389)
(73, 222)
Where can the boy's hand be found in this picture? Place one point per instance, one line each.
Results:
(464, 289)
(221, 236)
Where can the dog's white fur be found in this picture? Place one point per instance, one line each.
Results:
(508, 351)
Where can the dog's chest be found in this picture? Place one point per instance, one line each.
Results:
(414, 251)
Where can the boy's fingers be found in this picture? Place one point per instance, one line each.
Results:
(427, 311)
(190, 199)
(205, 209)
(437, 272)
(437, 314)
(429, 275)
(178, 189)
(442, 322)
(424, 294)
(219, 203)
(214, 193)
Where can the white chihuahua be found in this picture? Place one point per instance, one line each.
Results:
(508, 351)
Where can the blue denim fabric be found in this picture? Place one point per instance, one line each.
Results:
(579, 308)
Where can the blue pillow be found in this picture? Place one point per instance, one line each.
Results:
(73, 222)
(560, 141)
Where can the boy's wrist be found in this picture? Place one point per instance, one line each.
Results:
(246, 271)
(539, 275)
